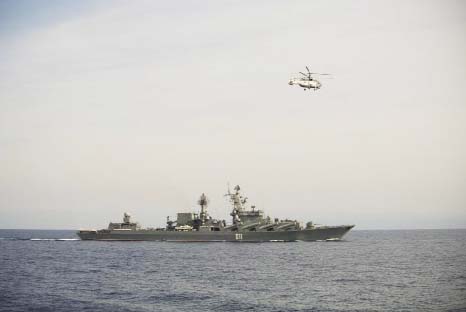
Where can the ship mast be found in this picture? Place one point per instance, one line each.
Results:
(203, 202)
(238, 203)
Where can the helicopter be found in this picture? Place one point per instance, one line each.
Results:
(307, 82)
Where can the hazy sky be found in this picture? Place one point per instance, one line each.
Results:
(114, 106)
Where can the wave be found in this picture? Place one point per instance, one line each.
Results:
(39, 239)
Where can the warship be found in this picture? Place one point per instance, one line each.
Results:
(248, 225)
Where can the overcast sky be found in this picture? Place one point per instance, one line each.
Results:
(114, 106)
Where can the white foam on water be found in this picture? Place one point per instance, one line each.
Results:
(54, 239)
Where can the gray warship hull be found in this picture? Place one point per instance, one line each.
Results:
(315, 234)
(248, 225)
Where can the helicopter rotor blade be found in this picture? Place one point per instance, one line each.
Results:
(308, 70)
(321, 74)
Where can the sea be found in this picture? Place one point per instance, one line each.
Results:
(393, 270)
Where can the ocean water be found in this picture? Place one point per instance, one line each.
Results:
(414, 270)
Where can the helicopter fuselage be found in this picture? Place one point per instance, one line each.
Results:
(305, 83)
